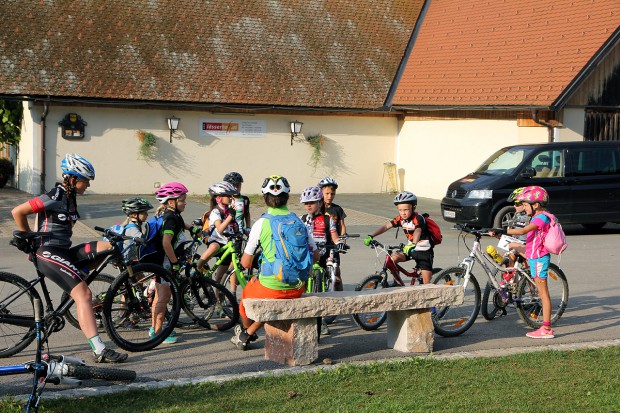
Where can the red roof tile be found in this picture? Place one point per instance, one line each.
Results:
(329, 53)
(503, 52)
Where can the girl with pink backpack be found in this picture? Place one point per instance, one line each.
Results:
(544, 236)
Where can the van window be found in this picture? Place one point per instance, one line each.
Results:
(504, 161)
(595, 161)
(548, 164)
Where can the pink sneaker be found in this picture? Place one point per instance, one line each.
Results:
(542, 332)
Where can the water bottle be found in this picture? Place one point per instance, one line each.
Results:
(494, 254)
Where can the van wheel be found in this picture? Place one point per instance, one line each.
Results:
(504, 217)
(594, 226)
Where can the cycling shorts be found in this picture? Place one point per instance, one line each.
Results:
(60, 264)
(254, 289)
(539, 267)
(423, 259)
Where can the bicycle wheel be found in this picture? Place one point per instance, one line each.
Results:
(529, 305)
(492, 303)
(103, 373)
(374, 320)
(16, 314)
(317, 281)
(226, 282)
(207, 302)
(329, 286)
(127, 308)
(451, 321)
(98, 287)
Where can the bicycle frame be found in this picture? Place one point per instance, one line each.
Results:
(394, 268)
(230, 250)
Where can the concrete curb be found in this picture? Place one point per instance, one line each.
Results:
(98, 391)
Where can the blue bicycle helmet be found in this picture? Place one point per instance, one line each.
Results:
(75, 165)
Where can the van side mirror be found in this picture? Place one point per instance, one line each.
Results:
(528, 172)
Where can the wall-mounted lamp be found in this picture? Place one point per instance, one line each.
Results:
(173, 125)
(295, 129)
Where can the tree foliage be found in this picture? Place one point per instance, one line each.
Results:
(11, 114)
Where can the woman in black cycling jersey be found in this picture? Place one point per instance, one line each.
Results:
(57, 214)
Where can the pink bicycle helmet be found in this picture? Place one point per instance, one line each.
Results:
(311, 194)
(171, 190)
(533, 194)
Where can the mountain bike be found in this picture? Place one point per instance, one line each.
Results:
(204, 300)
(46, 368)
(325, 281)
(455, 320)
(17, 326)
(237, 275)
(374, 320)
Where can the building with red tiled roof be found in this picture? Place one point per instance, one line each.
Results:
(434, 86)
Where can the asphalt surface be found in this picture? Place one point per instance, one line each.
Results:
(591, 318)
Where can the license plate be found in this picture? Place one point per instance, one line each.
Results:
(449, 214)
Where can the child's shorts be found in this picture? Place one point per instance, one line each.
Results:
(539, 267)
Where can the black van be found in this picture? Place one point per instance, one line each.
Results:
(582, 179)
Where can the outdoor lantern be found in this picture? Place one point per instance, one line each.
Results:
(295, 129)
(173, 125)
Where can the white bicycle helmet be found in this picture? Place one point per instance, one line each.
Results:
(275, 185)
(77, 166)
(327, 181)
(171, 190)
(223, 188)
(406, 197)
(311, 194)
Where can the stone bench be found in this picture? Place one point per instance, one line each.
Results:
(291, 335)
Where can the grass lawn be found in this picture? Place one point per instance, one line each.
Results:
(552, 381)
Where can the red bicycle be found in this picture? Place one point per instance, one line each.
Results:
(374, 320)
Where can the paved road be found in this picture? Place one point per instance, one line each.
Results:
(590, 264)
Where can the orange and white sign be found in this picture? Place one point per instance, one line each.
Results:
(234, 128)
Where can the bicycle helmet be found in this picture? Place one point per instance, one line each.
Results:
(171, 190)
(75, 165)
(311, 194)
(327, 181)
(513, 196)
(131, 205)
(405, 198)
(275, 185)
(223, 188)
(234, 178)
(533, 194)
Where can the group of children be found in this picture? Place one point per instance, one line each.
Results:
(229, 213)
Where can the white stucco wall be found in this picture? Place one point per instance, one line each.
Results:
(434, 153)
(355, 150)
(28, 166)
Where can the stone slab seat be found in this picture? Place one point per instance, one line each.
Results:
(291, 325)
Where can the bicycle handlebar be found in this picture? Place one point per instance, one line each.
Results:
(475, 231)
(115, 237)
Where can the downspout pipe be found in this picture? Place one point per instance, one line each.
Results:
(550, 127)
(46, 107)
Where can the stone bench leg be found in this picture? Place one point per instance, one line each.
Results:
(292, 342)
(410, 331)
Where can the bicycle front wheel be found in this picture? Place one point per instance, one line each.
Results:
(529, 305)
(128, 312)
(454, 320)
(98, 288)
(208, 303)
(329, 286)
(374, 320)
(16, 314)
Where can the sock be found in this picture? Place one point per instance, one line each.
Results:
(547, 325)
(96, 344)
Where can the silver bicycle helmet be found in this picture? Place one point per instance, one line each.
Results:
(223, 188)
(327, 181)
(311, 194)
(75, 165)
(406, 197)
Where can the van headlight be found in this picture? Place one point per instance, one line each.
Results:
(480, 194)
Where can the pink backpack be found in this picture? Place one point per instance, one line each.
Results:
(554, 240)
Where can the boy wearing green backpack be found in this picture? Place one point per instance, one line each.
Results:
(282, 274)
